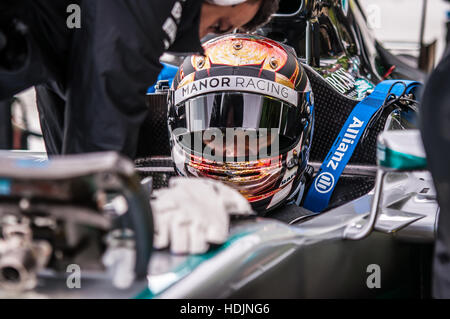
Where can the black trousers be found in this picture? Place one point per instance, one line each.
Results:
(435, 118)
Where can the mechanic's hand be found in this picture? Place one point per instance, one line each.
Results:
(193, 213)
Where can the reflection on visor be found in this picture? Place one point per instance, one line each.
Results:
(237, 126)
(251, 179)
(233, 145)
(242, 145)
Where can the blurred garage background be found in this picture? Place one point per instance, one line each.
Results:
(395, 23)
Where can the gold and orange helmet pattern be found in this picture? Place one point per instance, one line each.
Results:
(256, 91)
(246, 55)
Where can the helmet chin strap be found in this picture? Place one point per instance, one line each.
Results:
(226, 2)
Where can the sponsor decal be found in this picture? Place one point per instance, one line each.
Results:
(288, 178)
(170, 28)
(237, 83)
(324, 183)
(342, 81)
(349, 139)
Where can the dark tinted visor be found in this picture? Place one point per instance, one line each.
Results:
(237, 126)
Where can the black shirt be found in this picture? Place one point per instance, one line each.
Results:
(92, 81)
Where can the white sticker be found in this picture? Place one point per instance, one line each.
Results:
(177, 11)
(170, 28)
(237, 83)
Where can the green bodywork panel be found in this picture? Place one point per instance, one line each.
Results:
(399, 161)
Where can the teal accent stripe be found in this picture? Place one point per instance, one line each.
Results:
(399, 161)
(191, 263)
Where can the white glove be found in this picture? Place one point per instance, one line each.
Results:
(121, 262)
(193, 213)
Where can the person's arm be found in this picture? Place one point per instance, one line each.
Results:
(115, 58)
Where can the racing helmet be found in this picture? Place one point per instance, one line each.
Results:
(242, 113)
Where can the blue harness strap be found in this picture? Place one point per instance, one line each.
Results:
(322, 188)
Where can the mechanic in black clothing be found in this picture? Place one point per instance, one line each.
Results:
(435, 117)
(91, 81)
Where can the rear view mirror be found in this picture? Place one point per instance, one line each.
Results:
(401, 150)
(398, 151)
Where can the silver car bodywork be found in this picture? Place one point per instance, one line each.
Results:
(312, 257)
(317, 256)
